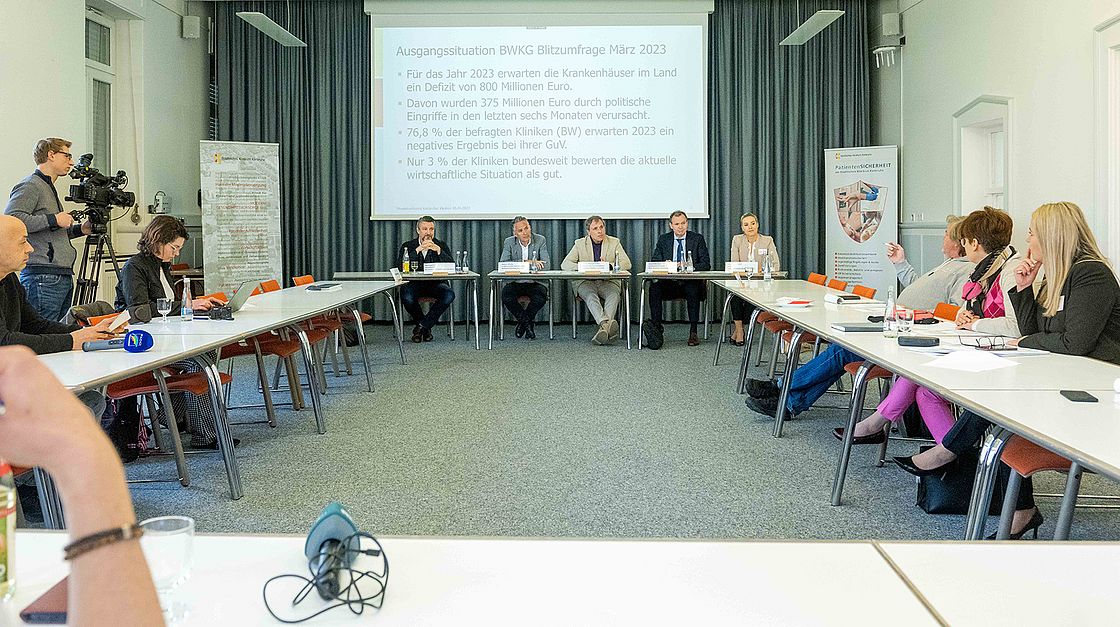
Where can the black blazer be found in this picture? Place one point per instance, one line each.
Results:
(1089, 322)
(140, 287)
(411, 245)
(693, 243)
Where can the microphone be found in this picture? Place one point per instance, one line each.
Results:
(135, 341)
(330, 547)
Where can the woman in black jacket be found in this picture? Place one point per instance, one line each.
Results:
(146, 278)
(1075, 311)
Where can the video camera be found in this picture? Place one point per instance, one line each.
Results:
(98, 192)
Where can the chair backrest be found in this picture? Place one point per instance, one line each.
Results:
(864, 291)
(838, 285)
(306, 279)
(271, 285)
(946, 311)
(819, 279)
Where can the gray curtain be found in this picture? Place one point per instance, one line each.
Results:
(771, 114)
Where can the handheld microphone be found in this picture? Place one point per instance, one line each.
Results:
(135, 341)
(330, 547)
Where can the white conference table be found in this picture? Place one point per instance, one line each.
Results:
(198, 340)
(1046, 421)
(470, 277)
(458, 581)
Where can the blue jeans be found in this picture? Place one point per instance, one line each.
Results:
(49, 294)
(440, 292)
(811, 380)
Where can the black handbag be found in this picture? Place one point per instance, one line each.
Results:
(950, 493)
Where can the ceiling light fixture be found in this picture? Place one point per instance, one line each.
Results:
(264, 24)
(810, 27)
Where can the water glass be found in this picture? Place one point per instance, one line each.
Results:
(163, 306)
(904, 318)
(167, 545)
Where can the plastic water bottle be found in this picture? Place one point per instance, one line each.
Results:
(465, 267)
(767, 271)
(405, 262)
(8, 496)
(186, 312)
(617, 263)
(890, 327)
(689, 267)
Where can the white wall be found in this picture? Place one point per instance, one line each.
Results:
(1039, 53)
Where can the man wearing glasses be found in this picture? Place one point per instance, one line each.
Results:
(49, 275)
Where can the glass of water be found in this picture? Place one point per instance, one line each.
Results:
(905, 319)
(167, 545)
(163, 306)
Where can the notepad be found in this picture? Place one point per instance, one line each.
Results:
(324, 287)
(858, 327)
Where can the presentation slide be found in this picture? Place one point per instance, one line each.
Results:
(477, 122)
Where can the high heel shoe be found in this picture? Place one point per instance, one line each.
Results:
(1032, 525)
(907, 464)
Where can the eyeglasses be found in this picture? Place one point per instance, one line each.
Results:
(65, 154)
(984, 342)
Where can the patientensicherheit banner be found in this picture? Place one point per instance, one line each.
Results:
(240, 213)
(861, 214)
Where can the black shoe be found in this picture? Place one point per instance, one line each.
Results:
(654, 334)
(418, 334)
(765, 406)
(693, 339)
(530, 332)
(907, 464)
(427, 335)
(213, 446)
(1032, 525)
(520, 332)
(762, 388)
(875, 438)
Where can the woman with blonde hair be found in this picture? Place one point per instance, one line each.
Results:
(750, 245)
(1075, 311)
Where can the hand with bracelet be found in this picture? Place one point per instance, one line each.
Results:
(42, 424)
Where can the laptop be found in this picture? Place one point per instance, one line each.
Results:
(240, 297)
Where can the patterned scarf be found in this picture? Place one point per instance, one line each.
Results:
(979, 284)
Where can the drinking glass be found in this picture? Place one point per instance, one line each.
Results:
(905, 319)
(163, 306)
(167, 543)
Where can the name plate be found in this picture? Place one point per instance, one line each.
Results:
(439, 268)
(398, 278)
(594, 267)
(513, 267)
(661, 267)
(750, 267)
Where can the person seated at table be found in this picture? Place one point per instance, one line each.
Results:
(600, 296)
(146, 278)
(21, 324)
(43, 425)
(1075, 311)
(985, 309)
(945, 283)
(425, 248)
(524, 245)
(675, 246)
(748, 246)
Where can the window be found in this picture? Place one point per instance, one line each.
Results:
(99, 90)
(97, 42)
(982, 136)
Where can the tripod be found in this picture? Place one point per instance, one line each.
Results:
(99, 243)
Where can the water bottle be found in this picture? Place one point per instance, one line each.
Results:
(617, 263)
(890, 328)
(465, 267)
(689, 267)
(405, 262)
(186, 313)
(767, 271)
(8, 496)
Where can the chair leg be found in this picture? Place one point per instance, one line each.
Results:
(883, 447)
(855, 404)
(1007, 513)
(1069, 501)
(173, 428)
(774, 355)
(294, 389)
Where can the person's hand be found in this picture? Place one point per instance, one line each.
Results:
(1026, 271)
(206, 303)
(537, 263)
(42, 424)
(99, 331)
(63, 220)
(895, 252)
(87, 227)
(433, 247)
(965, 318)
(1014, 341)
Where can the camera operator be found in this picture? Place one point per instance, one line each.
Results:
(49, 275)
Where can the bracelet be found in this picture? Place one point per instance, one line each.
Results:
(97, 540)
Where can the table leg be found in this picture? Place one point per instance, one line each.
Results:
(855, 408)
(309, 365)
(362, 342)
(49, 500)
(172, 426)
(490, 316)
(744, 365)
(791, 365)
(722, 326)
(626, 292)
(707, 310)
(474, 293)
(986, 471)
(221, 420)
(551, 293)
(642, 309)
(398, 324)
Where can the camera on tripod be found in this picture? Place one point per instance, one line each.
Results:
(98, 192)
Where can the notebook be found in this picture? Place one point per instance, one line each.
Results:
(858, 327)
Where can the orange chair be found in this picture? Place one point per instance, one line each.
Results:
(863, 291)
(332, 322)
(838, 285)
(819, 279)
(1025, 459)
(946, 311)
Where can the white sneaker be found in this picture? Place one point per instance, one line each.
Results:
(602, 336)
(613, 331)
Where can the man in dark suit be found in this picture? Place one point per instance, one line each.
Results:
(425, 248)
(677, 245)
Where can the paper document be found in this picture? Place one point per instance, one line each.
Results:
(971, 361)
(120, 321)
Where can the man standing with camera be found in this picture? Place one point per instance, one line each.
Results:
(49, 275)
